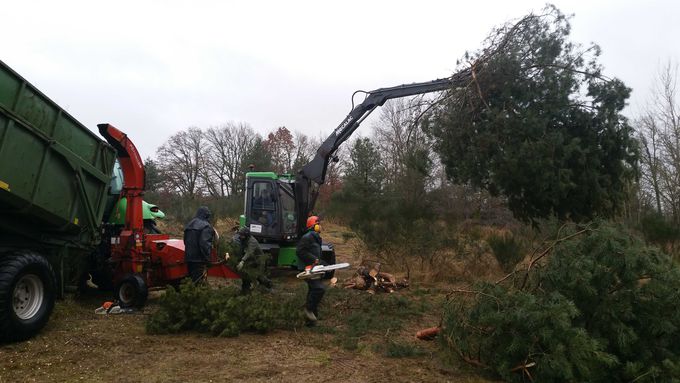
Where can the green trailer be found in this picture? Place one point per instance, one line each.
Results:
(54, 180)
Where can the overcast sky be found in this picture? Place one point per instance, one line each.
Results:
(152, 68)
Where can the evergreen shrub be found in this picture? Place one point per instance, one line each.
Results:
(224, 311)
(507, 250)
(603, 307)
(659, 231)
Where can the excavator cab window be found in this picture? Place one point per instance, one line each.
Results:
(288, 212)
(263, 209)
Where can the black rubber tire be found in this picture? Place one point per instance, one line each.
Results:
(328, 258)
(16, 267)
(132, 291)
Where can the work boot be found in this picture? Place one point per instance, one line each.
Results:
(246, 285)
(266, 283)
(266, 289)
(310, 316)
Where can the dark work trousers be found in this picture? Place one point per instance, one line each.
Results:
(198, 272)
(315, 291)
(247, 283)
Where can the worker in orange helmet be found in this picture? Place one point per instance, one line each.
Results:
(309, 253)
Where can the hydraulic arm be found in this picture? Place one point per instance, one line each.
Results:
(313, 174)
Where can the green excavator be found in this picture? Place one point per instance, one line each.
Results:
(278, 205)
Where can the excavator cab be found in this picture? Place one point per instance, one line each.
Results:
(271, 213)
(270, 206)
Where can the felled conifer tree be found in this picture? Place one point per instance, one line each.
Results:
(538, 123)
(603, 307)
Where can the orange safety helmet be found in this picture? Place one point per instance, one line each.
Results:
(313, 223)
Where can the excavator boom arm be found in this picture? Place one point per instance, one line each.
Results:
(315, 170)
(313, 174)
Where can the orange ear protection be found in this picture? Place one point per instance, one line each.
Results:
(317, 228)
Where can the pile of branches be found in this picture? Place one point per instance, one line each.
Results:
(369, 277)
(224, 311)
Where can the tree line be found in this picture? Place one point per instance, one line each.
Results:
(539, 129)
(212, 162)
(407, 150)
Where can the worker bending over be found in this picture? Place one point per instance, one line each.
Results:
(252, 265)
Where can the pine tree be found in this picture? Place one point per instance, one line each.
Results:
(539, 124)
(603, 308)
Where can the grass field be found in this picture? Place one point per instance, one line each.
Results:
(363, 338)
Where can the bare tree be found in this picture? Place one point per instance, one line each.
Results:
(405, 148)
(228, 147)
(650, 160)
(659, 134)
(288, 152)
(334, 173)
(304, 151)
(180, 162)
(281, 147)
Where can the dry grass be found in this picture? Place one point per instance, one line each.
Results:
(471, 260)
(78, 345)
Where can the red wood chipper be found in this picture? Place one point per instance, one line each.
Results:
(141, 261)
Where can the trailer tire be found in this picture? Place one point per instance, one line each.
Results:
(28, 289)
(132, 291)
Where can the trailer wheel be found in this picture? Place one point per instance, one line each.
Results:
(131, 291)
(27, 294)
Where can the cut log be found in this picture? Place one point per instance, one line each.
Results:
(374, 281)
(360, 282)
(387, 277)
(428, 333)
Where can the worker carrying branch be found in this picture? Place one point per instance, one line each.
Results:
(252, 262)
